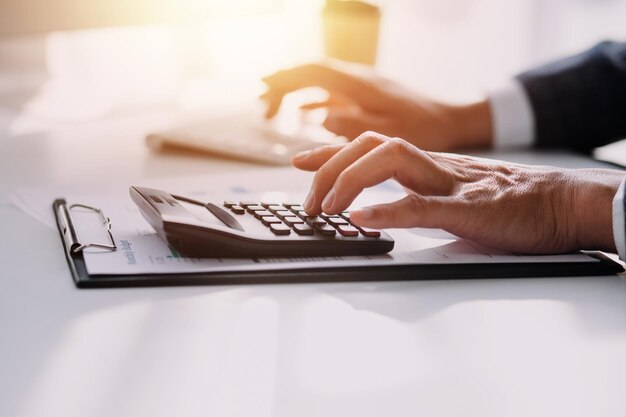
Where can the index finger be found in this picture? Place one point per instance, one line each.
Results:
(318, 75)
(395, 159)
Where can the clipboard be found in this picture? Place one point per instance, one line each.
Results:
(73, 248)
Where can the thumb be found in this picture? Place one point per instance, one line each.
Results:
(351, 122)
(412, 211)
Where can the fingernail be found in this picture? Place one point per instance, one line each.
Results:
(308, 202)
(301, 155)
(327, 204)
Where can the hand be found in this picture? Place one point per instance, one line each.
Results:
(528, 209)
(360, 101)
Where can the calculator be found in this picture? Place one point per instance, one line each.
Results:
(253, 229)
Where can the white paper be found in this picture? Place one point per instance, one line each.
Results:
(141, 251)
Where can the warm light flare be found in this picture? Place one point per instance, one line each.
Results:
(35, 16)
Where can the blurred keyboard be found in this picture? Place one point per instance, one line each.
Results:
(245, 136)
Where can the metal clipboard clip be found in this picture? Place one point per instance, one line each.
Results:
(70, 233)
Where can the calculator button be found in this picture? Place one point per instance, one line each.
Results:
(326, 230)
(248, 203)
(303, 229)
(336, 221)
(365, 231)
(292, 220)
(346, 215)
(261, 213)
(315, 222)
(267, 220)
(238, 209)
(345, 230)
(296, 207)
(253, 208)
(302, 214)
(280, 229)
(274, 207)
(283, 213)
(229, 204)
(290, 205)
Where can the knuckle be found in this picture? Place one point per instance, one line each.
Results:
(397, 147)
(369, 139)
(416, 202)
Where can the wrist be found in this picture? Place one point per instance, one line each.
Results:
(593, 208)
(471, 125)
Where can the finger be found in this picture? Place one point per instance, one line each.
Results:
(328, 171)
(413, 211)
(351, 122)
(396, 159)
(273, 100)
(312, 160)
(331, 79)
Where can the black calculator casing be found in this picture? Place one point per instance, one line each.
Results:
(194, 238)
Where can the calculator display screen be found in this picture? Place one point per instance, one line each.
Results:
(202, 214)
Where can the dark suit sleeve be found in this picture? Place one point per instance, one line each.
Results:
(619, 229)
(580, 102)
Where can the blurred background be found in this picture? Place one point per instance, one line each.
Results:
(67, 61)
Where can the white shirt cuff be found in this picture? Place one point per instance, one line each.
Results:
(512, 116)
(619, 231)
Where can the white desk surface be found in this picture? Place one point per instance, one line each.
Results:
(505, 347)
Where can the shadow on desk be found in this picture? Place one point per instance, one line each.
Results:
(137, 329)
(598, 301)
